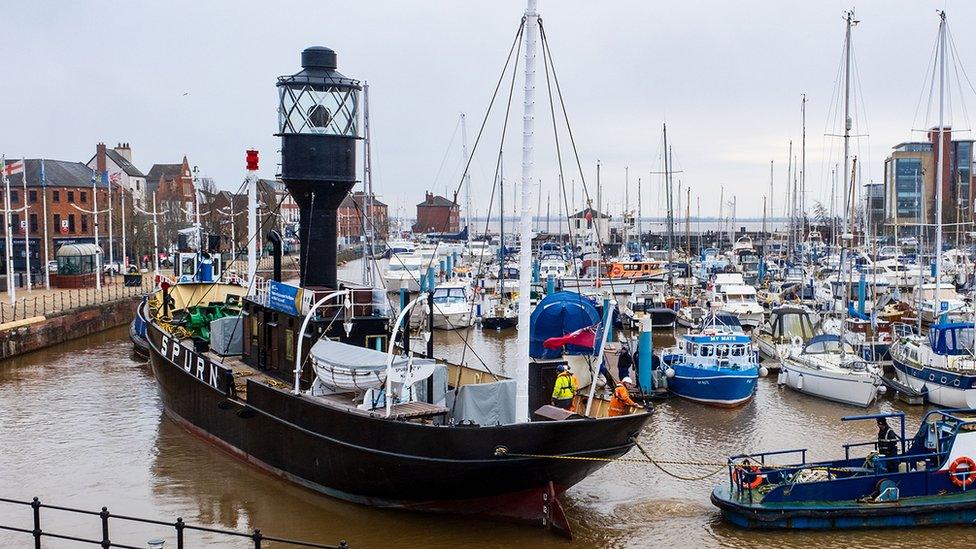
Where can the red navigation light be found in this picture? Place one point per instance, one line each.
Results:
(252, 160)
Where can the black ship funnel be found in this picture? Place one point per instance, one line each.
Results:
(318, 122)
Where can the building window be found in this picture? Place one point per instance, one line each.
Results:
(15, 222)
(908, 187)
(137, 184)
(14, 196)
(33, 223)
(71, 223)
(57, 196)
(84, 223)
(83, 197)
(71, 197)
(57, 222)
(32, 196)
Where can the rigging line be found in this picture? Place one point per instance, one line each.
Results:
(956, 67)
(952, 44)
(921, 93)
(863, 115)
(515, 48)
(214, 283)
(446, 152)
(464, 339)
(559, 159)
(572, 140)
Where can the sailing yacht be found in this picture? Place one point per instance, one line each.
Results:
(828, 367)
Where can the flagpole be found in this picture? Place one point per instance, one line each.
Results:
(11, 290)
(125, 257)
(47, 256)
(26, 229)
(111, 243)
(98, 258)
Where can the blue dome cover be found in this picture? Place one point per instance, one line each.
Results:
(557, 315)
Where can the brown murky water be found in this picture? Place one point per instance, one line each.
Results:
(81, 425)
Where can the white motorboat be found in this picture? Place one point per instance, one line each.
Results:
(404, 271)
(948, 302)
(452, 306)
(827, 368)
(740, 301)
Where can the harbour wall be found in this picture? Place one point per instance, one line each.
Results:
(32, 334)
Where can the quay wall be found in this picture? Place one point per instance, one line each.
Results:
(32, 334)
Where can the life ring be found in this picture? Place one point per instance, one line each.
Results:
(617, 271)
(796, 341)
(966, 477)
(739, 474)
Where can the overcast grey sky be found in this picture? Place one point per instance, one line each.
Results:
(197, 78)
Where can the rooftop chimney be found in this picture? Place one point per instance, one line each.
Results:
(124, 151)
(100, 165)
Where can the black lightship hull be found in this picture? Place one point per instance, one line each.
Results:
(384, 462)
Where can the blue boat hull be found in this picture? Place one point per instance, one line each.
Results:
(714, 386)
(899, 514)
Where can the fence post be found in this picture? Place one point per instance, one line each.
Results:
(179, 532)
(106, 544)
(257, 539)
(36, 506)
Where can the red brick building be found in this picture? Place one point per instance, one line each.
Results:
(437, 214)
(68, 186)
(350, 217)
(173, 186)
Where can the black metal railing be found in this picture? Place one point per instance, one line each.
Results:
(256, 538)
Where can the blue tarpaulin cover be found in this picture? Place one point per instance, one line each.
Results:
(559, 314)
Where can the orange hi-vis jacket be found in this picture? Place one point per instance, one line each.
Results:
(621, 399)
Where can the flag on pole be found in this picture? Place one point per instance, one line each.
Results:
(17, 166)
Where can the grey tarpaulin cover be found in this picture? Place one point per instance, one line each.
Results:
(225, 336)
(486, 403)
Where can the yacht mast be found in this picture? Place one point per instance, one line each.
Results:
(939, 159)
(467, 180)
(850, 22)
(803, 167)
(525, 224)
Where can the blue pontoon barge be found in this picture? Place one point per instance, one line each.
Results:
(927, 479)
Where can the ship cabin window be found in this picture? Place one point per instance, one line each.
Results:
(722, 351)
(707, 350)
(738, 350)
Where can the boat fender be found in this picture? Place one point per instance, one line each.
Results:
(763, 371)
(741, 472)
(781, 378)
(799, 382)
(967, 475)
(669, 372)
(882, 389)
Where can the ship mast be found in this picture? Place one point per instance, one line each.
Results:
(939, 160)
(467, 180)
(525, 223)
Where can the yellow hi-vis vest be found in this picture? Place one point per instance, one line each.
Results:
(564, 386)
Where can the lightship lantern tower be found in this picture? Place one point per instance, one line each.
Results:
(318, 122)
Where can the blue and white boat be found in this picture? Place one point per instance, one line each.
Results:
(898, 482)
(942, 366)
(714, 367)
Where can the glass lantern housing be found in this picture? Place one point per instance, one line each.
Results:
(318, 100)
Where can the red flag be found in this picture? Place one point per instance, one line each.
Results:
(584, 337)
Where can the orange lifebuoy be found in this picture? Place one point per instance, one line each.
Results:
(739, 473)
(967, 476)
(616, 271)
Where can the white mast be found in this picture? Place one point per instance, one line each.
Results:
(939, 159)
(26, 229)
(11, 285)
(525, 224)
(252, 222)
(847, 124)
(467, 179)
(98, 258)
(367, 202)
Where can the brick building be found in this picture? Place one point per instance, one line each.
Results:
(68, 187)
(437, 214)
(174, 188)
(350, 217)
